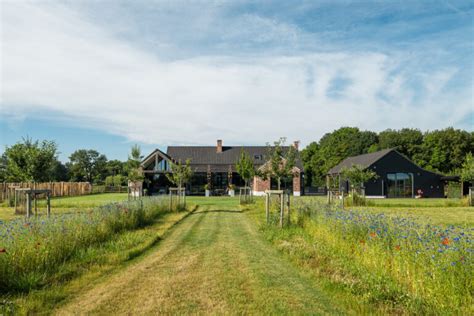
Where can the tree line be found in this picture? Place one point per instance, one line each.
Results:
(443, 151)
(37, 161)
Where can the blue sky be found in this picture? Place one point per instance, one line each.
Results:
(107, 74)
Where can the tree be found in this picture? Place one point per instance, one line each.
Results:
(312, 163)
(88, 165)
(467, 171)
(357, 176)
(445, 150)
(334, 147)
(133, 164)
(115, 167)
(280, 162)
(407, 141)
(180, 173)
(245, 168)
(30, 161)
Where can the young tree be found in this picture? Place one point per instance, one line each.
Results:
(357, 176)
(88, 165)
(133, 164)
(280, 163)
(180, 173)
(30, 161)
(245, 168)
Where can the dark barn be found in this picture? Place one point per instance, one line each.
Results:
(398, 176)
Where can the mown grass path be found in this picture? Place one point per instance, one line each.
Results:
(215, 261)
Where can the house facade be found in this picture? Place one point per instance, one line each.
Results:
(214, 165)
(397, 176)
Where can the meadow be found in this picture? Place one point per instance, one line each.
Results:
(393, 257)
(33, 250)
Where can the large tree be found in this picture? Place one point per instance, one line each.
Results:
(445, 150)
(30, 160)
(88, 165)
(407, 141)
(334, 147)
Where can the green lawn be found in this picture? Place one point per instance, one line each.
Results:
(218, 261)
(68, 204)
(436, 211)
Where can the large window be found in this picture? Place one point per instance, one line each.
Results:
(400, 184)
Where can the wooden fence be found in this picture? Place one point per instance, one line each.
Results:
(7, 190)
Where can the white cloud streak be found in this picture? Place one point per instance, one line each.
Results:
(53, 59)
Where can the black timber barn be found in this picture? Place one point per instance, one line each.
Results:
(398, 176)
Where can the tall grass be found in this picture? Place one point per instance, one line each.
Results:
(32, 250)
(386, 260)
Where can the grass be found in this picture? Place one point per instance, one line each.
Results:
(90, 266)
(214, 262)
(218, 261)
(61, 205)
(32, 250)
(390, 262)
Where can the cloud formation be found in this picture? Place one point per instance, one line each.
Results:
(57, 59)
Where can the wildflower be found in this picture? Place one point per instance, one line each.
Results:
(446, 241)
(362, 242)
(397, 247)
(373, 234)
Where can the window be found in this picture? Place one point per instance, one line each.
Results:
(400, 184)
(257, 157)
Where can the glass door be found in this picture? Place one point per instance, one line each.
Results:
(399, 185)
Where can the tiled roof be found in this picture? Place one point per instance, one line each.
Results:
(364, 160)
(201, 156)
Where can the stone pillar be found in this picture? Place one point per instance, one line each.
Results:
(260, 186)
(297, 184)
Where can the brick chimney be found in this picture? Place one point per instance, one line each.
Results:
(296, 144)
(219, 146)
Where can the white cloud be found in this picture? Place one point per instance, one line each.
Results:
(56, 60)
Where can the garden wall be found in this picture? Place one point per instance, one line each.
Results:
(7, 190)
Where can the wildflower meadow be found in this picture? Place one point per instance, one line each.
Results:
(402, 263)
(32, 250)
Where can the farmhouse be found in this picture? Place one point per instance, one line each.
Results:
(398, 177)
(214, 165)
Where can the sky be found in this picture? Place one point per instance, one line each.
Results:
(108, 74)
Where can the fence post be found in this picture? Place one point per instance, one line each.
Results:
(282, 208)
(48, 205)
(28, 204)
(267, 207)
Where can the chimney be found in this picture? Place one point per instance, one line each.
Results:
(219, 146)
(296, 144)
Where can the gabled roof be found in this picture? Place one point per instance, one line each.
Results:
(207, 155)
(365, 160)
(202, 157)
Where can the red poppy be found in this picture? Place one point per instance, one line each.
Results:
(446, 241)
(397, 247)
(373, 234)
(3, 250)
